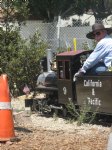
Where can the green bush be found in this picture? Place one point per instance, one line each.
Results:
(20, 59)
(82, 115)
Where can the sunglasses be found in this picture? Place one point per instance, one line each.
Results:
(97, 33)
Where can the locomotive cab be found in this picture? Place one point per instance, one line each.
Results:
(68, 63)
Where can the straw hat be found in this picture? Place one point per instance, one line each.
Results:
(97, 27)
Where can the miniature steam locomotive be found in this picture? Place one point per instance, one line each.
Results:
(59, 88)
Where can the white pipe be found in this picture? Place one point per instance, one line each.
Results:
(58, 30)
(49, 59)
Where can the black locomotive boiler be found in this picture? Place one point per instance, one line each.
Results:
(60, 89)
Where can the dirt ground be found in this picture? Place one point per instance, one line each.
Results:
(34, 132)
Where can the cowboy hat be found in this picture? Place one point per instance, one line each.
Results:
(97, 27)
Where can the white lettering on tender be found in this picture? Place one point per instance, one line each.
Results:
(90, 83)
(94, 101)
(93, 91)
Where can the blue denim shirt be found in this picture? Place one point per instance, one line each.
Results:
(102, 52)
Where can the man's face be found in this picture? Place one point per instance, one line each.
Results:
(100, 34)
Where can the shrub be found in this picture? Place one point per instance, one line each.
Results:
(82, 115)
(20, 59)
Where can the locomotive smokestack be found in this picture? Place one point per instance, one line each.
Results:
(49, 59)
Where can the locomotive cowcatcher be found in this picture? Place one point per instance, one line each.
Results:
(59, 88)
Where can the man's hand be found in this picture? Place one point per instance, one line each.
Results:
(78, 74)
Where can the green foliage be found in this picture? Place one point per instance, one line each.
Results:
(94, 43)
(14, 10)
(49, 10)
(78, 22)
(110, 68)
(81, 116)
(19, 58)
(61, 49)
(85, 46)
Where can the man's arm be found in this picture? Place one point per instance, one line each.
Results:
(96, 56)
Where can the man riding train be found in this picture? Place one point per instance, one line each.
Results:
(101, 58)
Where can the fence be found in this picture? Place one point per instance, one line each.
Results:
(58, 37)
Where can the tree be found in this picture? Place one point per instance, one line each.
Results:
(100, 8)
(19, 58)
(48, 10)
(13, 10)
